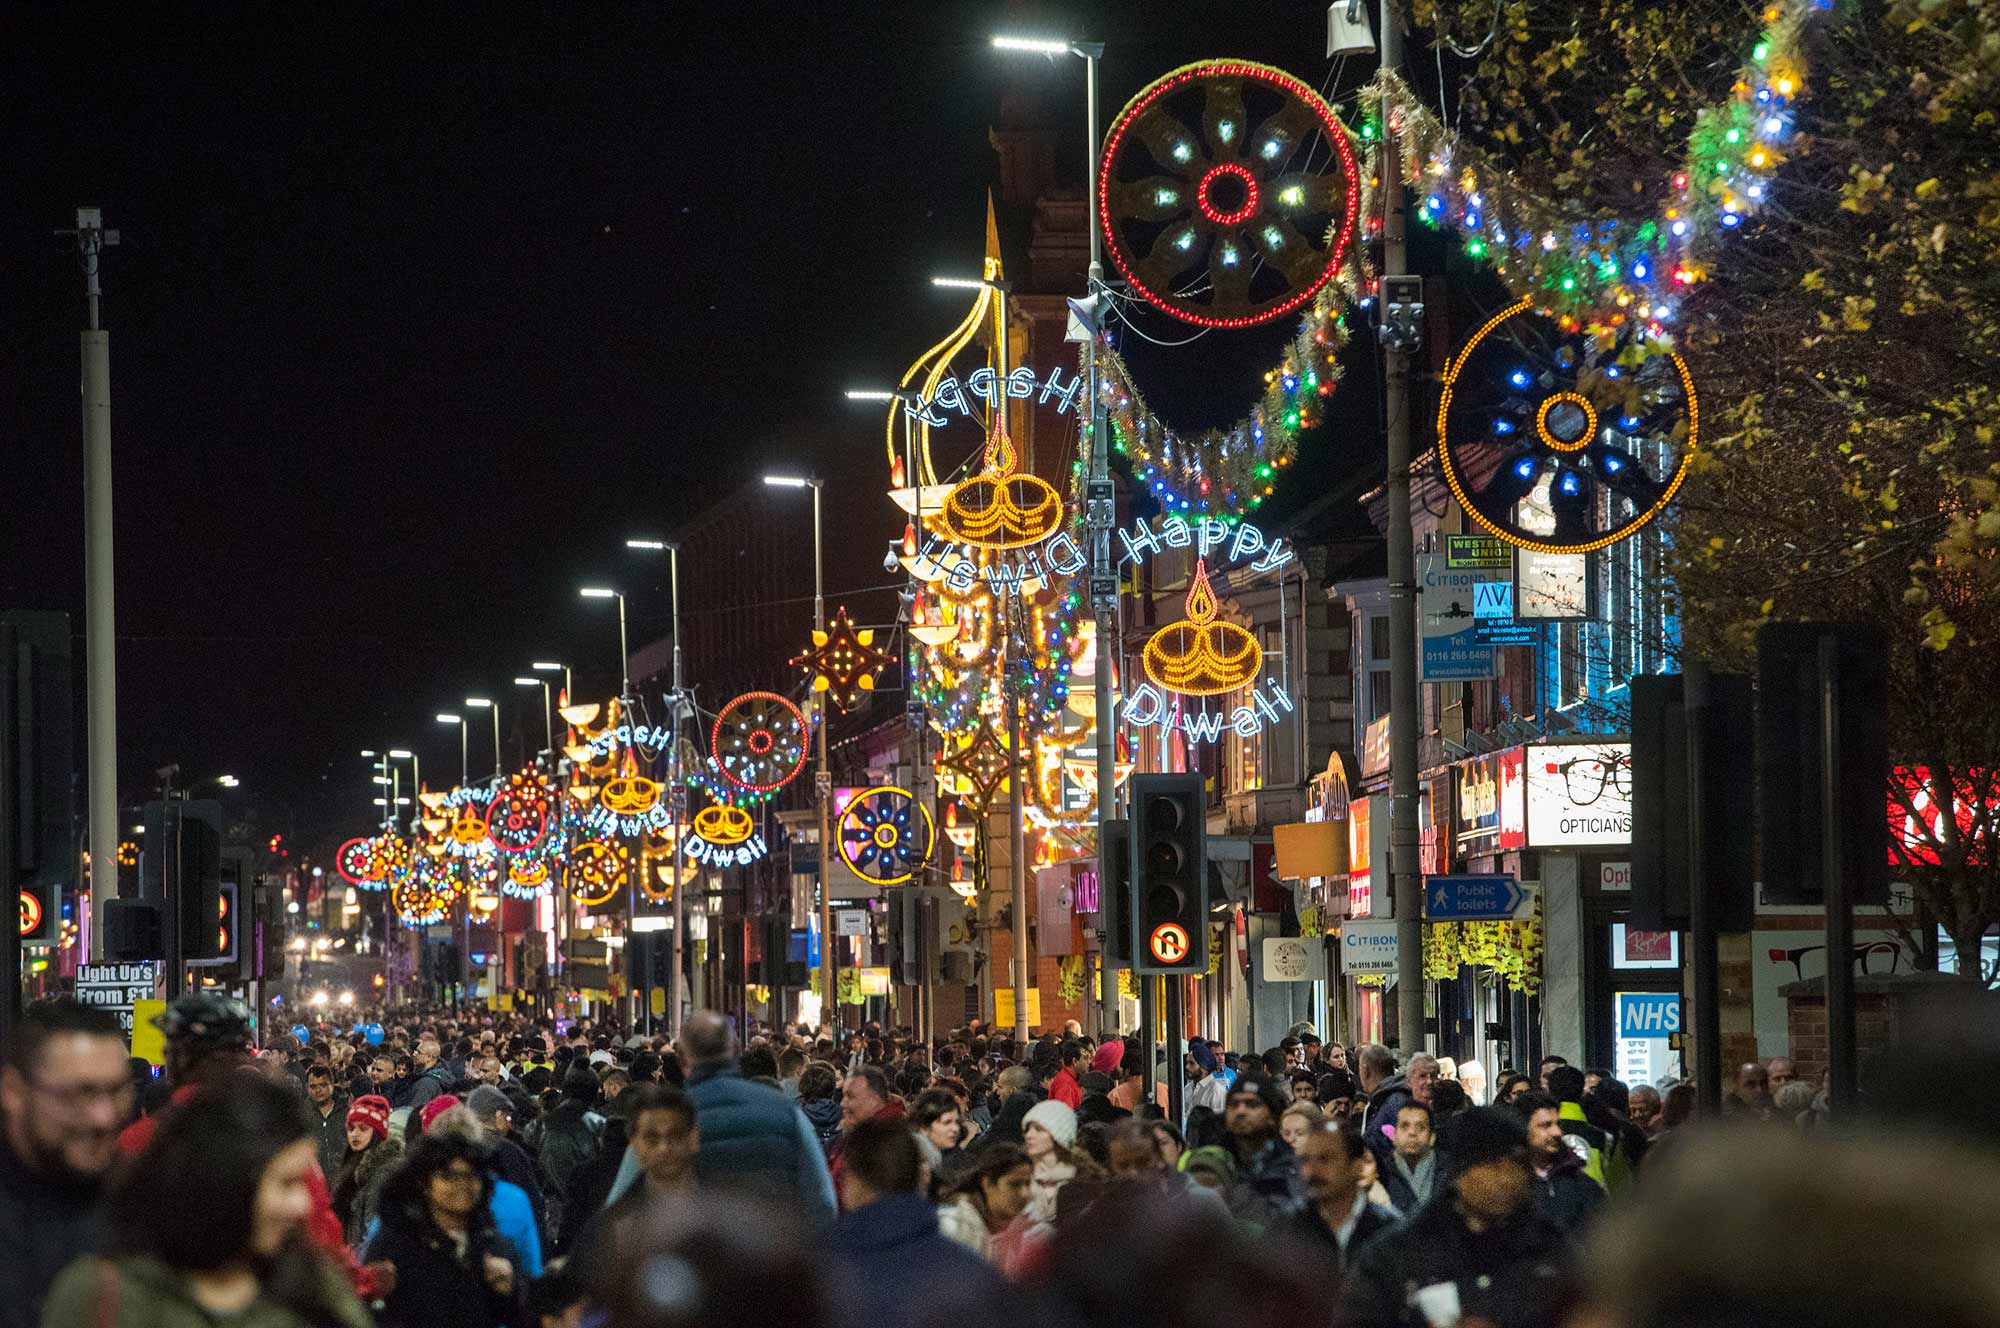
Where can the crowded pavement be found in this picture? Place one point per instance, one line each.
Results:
(442, 1169)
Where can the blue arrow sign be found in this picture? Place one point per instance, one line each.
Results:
(1472, 898)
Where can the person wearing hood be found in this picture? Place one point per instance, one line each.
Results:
(571, 1134)
(1478, 1250)
(1208, 1086)
(893, 1262)
(819, 1099)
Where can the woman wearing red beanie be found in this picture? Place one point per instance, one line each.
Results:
(371, 1156)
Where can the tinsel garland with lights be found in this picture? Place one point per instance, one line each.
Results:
(1601, 274)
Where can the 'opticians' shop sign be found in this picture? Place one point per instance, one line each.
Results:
(1579, 794)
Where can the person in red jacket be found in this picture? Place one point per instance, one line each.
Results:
(207, 1038)
(1063, 1087)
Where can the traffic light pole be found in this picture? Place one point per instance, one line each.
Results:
(99, 631)
(1840, 1044)
(1705, 959)
(1405, 708)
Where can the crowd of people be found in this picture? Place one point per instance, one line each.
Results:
(473, 1169)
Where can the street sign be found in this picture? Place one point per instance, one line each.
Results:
(1168, 943)
(1293, 959)
(1480, 551)
(1475, 899)
(850, 922)
(1451, 652)
(1367, 947)
(116, 987)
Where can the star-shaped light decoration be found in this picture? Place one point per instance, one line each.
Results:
(843, 661)
(980, 765)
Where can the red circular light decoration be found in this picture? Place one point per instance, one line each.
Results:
(1159, 221)
(759, 741)
(1205, 199)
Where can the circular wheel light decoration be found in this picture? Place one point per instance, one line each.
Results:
(759, 741)
(1202, 655)
(518, 816)
(1215, 199)
(1559, 443)
(596, 870)
(424, 894)
(885, 835)
(1001, 507)
(355, 861)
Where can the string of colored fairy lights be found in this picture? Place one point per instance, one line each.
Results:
(1601, 273)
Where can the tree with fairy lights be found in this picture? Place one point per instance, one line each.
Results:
(1831, 177)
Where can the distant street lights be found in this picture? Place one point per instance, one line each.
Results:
(624, 656)
(464, 767)
(484, 703)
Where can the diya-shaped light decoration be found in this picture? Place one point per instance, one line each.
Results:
(1000, 507)
(1202, 655)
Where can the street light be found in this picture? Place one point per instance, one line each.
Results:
(482, 703)
(416, 767)
(823, 781)
(1098, 507)
(959, 283)
(548, 725)
(464, 777)
(624, 662)
(678, 702)
(549, 666)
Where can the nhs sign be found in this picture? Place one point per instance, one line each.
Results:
(1648, 1014)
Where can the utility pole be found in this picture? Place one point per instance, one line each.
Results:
(1405, 705)
(679, 776)
(829, 1001)
(99, 606)
(1100, 512)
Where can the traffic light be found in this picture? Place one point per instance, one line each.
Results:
(1169, 874)
(183, 867)
(35, 722)
(1791, 822)
(1115, 889)
(1661, 876)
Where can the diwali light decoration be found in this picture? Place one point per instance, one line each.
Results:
(759, 741)
(631, 793)
(424, 894)
(517, 818)
(723, 835)
(595, 871)
(1202, 654)
(1601, 273)
(1001, 507)
(357, 864)
(1210, 202)
(885, 835)
(843, 661)
(979, 766)
(1564, 442)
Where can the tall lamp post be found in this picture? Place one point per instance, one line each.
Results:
(1099, 503)
(416, 769)
(823, 779)
(487, 704)
(464, 769)
(678, 784)
(624, 655)
(548, 724)
(550, 666)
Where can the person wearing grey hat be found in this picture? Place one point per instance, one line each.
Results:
(1477, 1250)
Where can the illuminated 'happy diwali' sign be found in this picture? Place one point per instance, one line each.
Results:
(983, 384)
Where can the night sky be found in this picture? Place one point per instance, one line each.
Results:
(415, 319)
